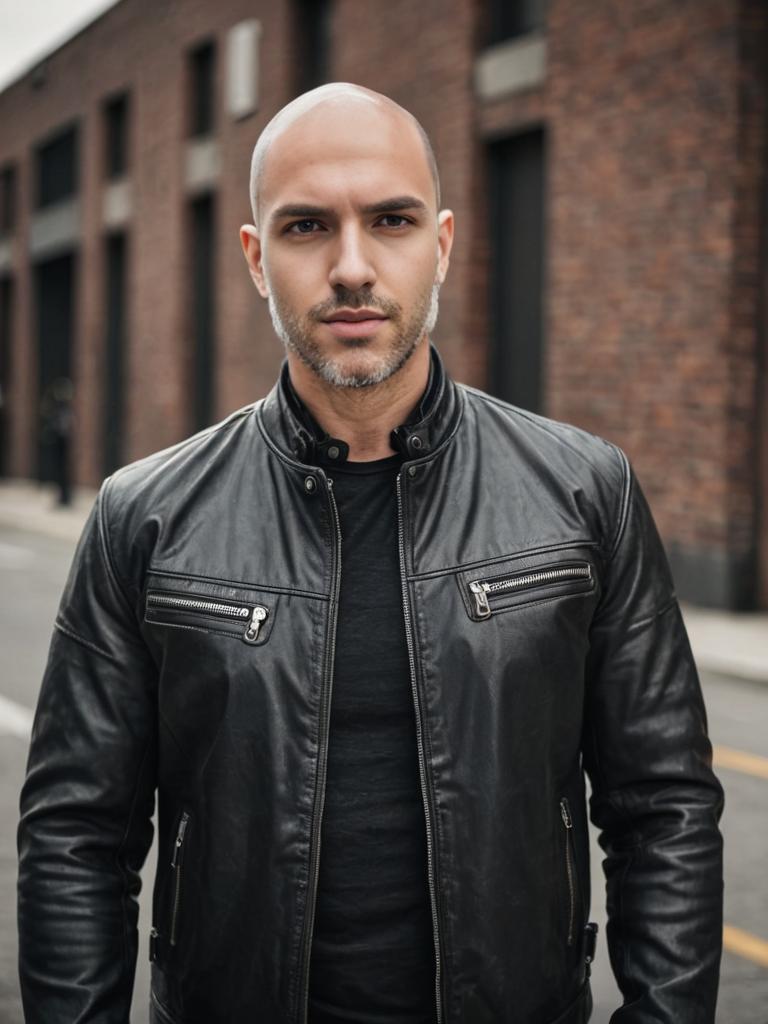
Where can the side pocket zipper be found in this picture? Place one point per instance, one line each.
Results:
(176, 862)
(565, 814)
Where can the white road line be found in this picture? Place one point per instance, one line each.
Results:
(15, 719)
(14, 554)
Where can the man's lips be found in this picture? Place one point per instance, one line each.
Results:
(355, 323)
(354, 316)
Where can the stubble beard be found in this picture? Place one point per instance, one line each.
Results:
(296, 335)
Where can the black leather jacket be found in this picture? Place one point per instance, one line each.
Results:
(193, 652)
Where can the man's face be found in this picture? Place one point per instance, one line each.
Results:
(349, 250)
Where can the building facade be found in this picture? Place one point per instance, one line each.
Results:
(606, 163)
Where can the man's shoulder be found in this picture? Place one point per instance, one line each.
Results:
(146, 481)
(541, 439)
(549, 461)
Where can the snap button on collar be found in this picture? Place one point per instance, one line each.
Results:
(310, 484)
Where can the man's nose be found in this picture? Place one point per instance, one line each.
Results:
(352, 266)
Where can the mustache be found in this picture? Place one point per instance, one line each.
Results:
(347, 299)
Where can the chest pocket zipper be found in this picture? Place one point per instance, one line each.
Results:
(529, 579)
(251, 617)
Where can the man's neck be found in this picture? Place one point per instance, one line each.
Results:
(363, 417)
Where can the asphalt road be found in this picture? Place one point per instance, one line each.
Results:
(33, 569)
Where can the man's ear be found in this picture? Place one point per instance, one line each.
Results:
(444, 243)
(251, 243)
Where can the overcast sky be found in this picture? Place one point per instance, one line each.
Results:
(31, 28)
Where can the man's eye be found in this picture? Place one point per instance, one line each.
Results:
(394, 217)
(302, 227)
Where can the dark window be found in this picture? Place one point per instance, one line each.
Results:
(56, 166)
(54, 294)
(313, 33)
(202, 75)
(202, 310)
(510, 18)
(517, 234)
(115, 346)
(7, 199)
(116, 113)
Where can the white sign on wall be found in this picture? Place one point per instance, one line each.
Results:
(243, 68)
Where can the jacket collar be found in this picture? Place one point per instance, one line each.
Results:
(291, 427)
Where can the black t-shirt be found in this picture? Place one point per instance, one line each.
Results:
(373, 953)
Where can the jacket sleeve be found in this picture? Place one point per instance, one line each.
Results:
(654, 798)
(87, 800)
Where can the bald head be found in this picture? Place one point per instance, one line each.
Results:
(318, 109)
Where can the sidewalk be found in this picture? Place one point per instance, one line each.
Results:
(731, 643)
(28, 505)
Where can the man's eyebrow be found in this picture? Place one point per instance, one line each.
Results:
(394, 204)
(300, 210)
(383, 206)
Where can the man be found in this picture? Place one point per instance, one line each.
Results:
(364, 637)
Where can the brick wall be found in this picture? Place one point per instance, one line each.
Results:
(645, 167)
(655, 116)
(141, 46)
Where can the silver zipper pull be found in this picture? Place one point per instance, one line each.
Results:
(258, 615)
(176, 858)
(481, 599)
(565, 813)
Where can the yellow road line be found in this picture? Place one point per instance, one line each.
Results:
(735, 940)
(739, 761)
(745, 945)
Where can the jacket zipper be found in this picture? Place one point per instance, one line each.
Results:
(322, 757)
(482, 589)
(422, 760)
(176, 860)
(154, 934)
(254, 615)
(565, 814)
